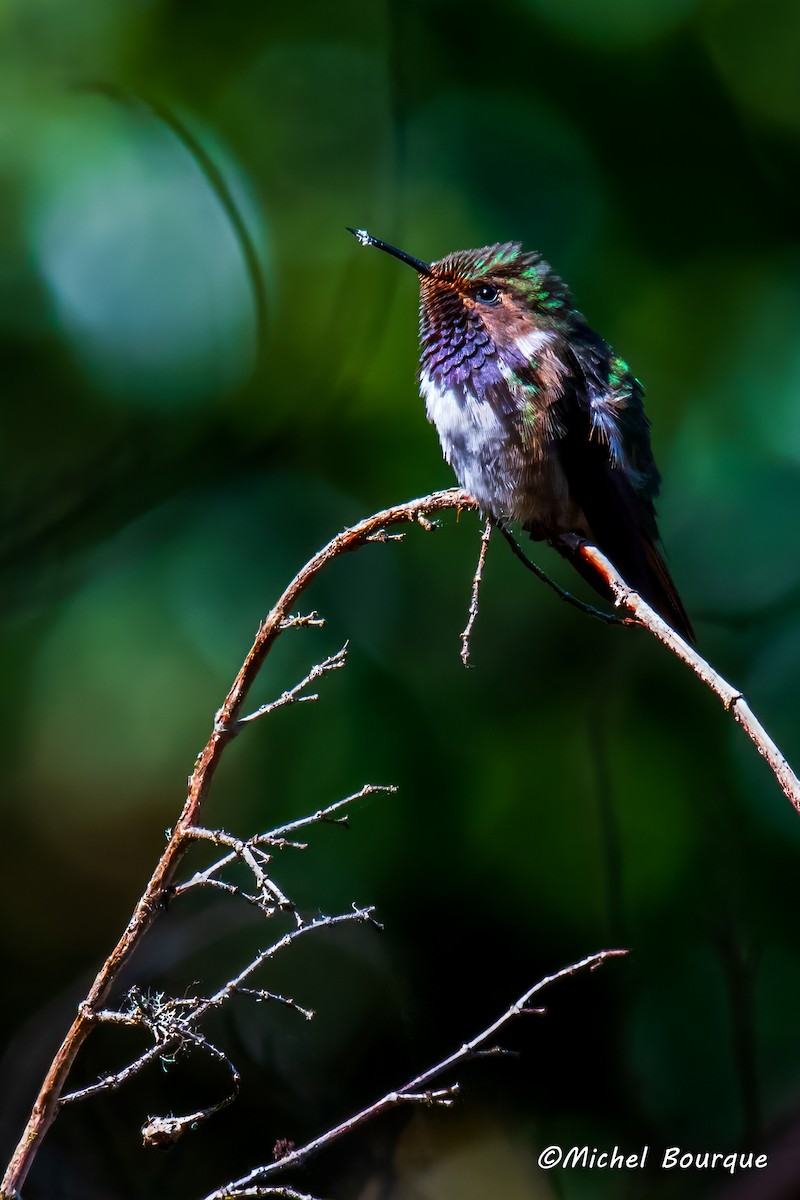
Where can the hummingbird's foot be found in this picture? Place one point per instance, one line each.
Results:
(565, 543)
(467, 504)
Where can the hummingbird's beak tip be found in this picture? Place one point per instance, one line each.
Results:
(360, 235)
(366, 239)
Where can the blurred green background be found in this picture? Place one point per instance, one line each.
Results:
(192, 407)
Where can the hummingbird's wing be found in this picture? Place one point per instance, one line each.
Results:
(606, 456)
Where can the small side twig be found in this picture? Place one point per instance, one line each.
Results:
(262, 996)
(274, 839)
(472, 613)
(269, 897)
(110, 1083)
(432, 1098)
(310, 620)
(289, 1193)
(234, 985)
(332, 663)
(326, 815)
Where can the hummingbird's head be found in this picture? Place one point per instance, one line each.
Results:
(483, 313)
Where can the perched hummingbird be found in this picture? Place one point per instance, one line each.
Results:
(540, 420)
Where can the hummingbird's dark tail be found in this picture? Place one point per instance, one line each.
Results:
(667, 602)
(645, 572)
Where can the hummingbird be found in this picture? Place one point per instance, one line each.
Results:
(542, 422)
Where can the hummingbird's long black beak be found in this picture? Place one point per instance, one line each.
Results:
(366, 239)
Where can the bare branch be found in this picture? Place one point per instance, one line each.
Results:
(332, 663)
(289, 1193)
(732, 699)
(438, 1098)
(476, 587)
(47, 1102)
(260, 995)
(359, 915)
(416, 1090)
(110, 1083)
(327, 814)
(274, 838)
(270, 897)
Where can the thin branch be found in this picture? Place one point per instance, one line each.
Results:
(732, 699)
(310, 620)
(359, 915)
(221, 885)
(325, 815)
(270, 896)
(288, 1192)
(475, 594)
(262, 996)
(332, 663)
(436, 1098)
(110, 1083)
(275, 838)
(415, 1090)
(166, 1131)
(172, 1023)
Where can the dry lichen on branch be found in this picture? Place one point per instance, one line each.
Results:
(173, 1023)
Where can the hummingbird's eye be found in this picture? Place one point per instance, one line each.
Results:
(487, 293)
